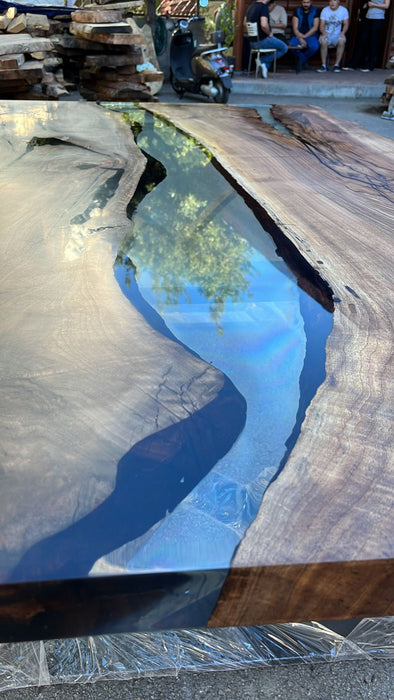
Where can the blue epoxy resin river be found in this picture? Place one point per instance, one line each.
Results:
(199, 261)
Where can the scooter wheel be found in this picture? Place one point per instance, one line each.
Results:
(223, 93)
(175, 86)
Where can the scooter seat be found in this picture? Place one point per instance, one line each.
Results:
(201, 49)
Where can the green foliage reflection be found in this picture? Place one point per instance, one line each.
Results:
(183, 234)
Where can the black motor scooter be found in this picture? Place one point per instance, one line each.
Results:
(201, 70)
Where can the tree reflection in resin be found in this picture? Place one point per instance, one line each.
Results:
(183, 236)
(202, 270)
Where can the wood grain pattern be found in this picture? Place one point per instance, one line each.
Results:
(23, 43)
(96, 16)
(30, 71)
(83, 376)
(328, 186)
(113, 34)
(304, 592)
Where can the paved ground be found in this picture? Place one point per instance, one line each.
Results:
(340, 680)
(310, 83)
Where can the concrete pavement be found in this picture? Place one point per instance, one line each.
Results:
(309, 83)
(343, 680)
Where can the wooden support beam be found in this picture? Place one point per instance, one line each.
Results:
(238, 33)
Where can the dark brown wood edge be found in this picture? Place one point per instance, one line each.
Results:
(303, 592)
(307, 277)
(107, 604)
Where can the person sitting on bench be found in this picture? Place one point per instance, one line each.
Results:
(334, 23)
(305, 27)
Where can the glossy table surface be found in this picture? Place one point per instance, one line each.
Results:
(124, 430)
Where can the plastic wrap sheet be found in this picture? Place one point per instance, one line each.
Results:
(22, 665)
(374, 636)
(125, 656)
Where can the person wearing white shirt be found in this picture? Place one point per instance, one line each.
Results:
(334, 23)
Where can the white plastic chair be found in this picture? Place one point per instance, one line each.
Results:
(252, 32)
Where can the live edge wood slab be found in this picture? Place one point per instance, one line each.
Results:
(83, 390)
(322, 545)
(97, 408)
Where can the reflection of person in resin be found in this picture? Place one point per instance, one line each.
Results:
(152, 479)
(107, 421)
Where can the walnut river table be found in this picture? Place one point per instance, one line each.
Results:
(85, 380)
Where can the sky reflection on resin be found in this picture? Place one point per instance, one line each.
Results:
(202, 261)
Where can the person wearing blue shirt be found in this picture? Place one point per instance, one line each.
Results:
(305, 26)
